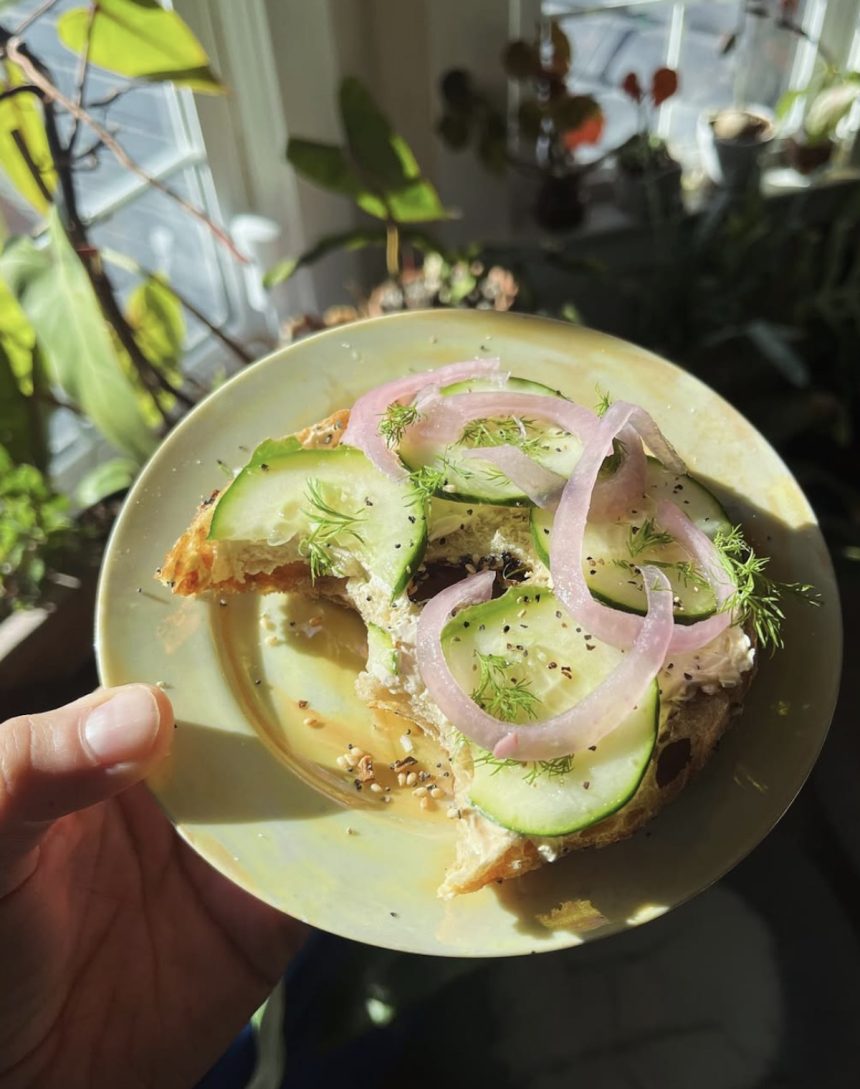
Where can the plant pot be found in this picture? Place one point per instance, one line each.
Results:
(731, 143)
(559, 205)
(807, 158)
(649, 195)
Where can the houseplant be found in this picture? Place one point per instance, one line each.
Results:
(647, 178)
(552, 123)
(827, 100)
(377, 170)
(67, 338)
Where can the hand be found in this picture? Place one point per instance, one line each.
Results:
(125, 960)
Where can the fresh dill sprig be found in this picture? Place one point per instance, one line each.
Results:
(532, 770)
(498, 694)
(510, 431)
(328, 526)
(604, 401)
(646, 536)
(686, 572)
(757, 597)
(426, 481)
(395, 420)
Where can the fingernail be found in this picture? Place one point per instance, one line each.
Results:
(123, 728)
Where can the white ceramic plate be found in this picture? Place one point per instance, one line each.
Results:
(255, 789)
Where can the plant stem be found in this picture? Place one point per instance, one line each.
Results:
(43, 9)
(83, 70)
(392, 249)
(149, 375)
(24, 152)
(225, 338)
(17, 52)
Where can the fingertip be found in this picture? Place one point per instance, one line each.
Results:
(166, 718)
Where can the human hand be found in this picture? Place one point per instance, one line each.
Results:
(126, 959)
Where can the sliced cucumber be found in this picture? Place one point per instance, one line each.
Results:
(467, 480)
(542, 649)
(381, 653)
(332, 507)
(610, 549)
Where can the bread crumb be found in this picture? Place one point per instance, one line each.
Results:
(576, 915)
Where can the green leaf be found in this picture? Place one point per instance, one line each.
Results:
(370, 138)
(141, 40)
(17, 339)
(786, 102)
(828, 109)
(23, 114)
(356, 239)
(55, 292)
(155, 315)
(20, 432)
(328, 166)
(417, 202)
(106, 479)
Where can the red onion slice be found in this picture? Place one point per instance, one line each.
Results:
(610, 625)
(584, 724)
(540, 484)
(363, 428)
(443, 418)
(704, 553)
(615, 496)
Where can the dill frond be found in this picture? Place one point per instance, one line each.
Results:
(532, 770)
(603, 402)
(328, 527)
(757, 598)
(508, 431)
(498, 694)
(395, 420)
(646, 536)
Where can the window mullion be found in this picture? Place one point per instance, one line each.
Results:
(136, 187)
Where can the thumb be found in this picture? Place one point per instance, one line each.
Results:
(54, 763)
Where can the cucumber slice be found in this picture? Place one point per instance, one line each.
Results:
(332, 507)
(381, 653)
(610, 548)
(467, 480)
(540, 647)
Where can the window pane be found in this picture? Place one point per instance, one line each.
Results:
(127, 216)
(610, 40)
(156, 232)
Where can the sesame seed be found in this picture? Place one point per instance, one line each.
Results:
(310, 721)
(401, 778)
(376, 788)
(419, 792)
(411, 779)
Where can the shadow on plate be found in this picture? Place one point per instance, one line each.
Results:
(261, 788)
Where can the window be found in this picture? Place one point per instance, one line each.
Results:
(612, 38)
(158, 126)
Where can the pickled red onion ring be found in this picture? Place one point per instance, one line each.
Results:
(362, 431)
(610, 625)
(540, 484)
(444, 418)
(615, 495)
(580, 726)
